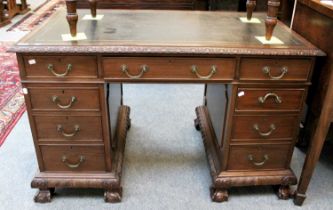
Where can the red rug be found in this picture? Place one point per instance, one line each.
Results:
(37, 16)
(11, 98)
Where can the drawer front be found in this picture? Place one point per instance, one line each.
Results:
(275, 69)
(258, 157)
(169, 68)
(61, 67)
(64, 99)
(264, 127)
(252, 99)
(73, 158)
(69, 128)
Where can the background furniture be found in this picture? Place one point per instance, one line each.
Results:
(150, 4)
(270, 21)
(254, 95)
(9, 8)
(318, 29)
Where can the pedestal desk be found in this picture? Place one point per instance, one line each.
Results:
(249, 119)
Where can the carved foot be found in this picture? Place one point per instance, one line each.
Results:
(299, 199)
(196, 124)
(52, 191)
(43, 196)
(219, 195)
(113, 196)
(284, 192)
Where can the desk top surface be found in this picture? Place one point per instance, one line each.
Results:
(164, 32)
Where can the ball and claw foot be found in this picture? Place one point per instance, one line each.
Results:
(43, 196)
(284, 192)
(219, 195)
(196, 124)
(112, 196)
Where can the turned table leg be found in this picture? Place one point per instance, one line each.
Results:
(24, 5)
(250, 5)
(313, 153)
(72, 16)
(2, 13)
(271, 19)
(93, 7)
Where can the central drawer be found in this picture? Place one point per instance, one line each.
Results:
(65, 98)
(73, 158)
(185, 69)
(69, 128)
(258, 157)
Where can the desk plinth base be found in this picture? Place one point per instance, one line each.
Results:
(223, 179)
(109, 181)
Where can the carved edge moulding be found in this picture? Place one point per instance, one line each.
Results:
(109, 181)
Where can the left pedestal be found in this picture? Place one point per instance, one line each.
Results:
(46, 182)
(78, 123)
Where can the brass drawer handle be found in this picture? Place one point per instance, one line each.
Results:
(213, 70)
(55, 99)
(264, 134)
(266, 70)
(258, 163)
(75, 165)
(50, 67)
(60, 129)
(124, 69)
(277, 98)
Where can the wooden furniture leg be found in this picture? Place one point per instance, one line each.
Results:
(43, 196)
(93, 7)
(3, 19)
(24, 7)
(250, 5)
(72, 16)
(24, 4)
(316, 146)
(271, 20)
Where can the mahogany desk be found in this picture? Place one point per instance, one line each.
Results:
(250, 116)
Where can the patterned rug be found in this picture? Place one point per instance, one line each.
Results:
(37, 16)
(11, 97)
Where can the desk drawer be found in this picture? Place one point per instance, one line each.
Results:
(275, 69)
(253, 99)
(264, 127)
(258, 157)
(169, 68)
(69, 128)
(61, 67)
(73, 158)
(65, 99)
